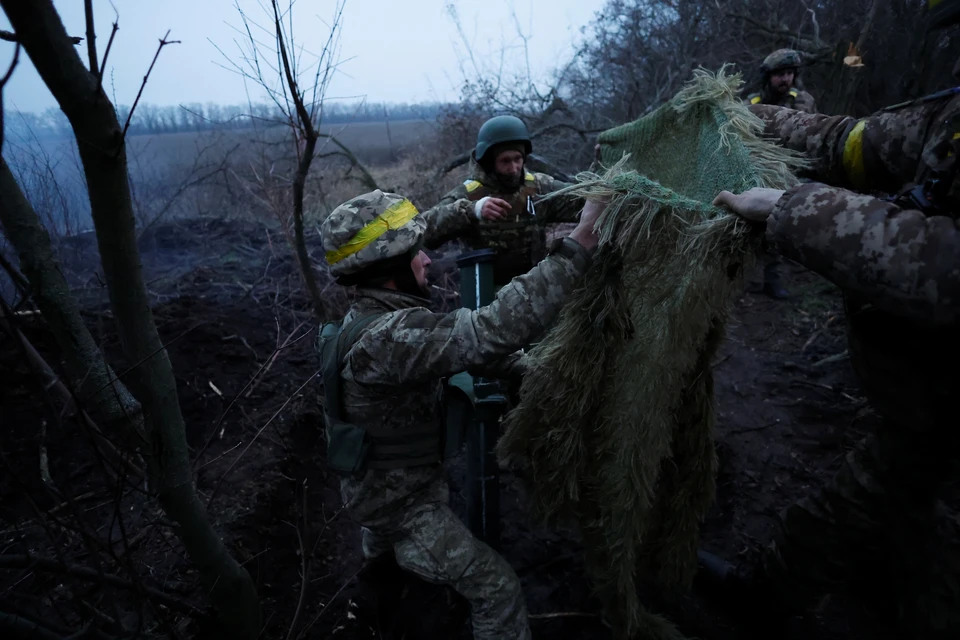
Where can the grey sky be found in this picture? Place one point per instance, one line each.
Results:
(392, 50)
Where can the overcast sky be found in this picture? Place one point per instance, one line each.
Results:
(391, 50)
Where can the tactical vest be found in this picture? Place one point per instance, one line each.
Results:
(351, 448)
(756, 98)
(520, 242)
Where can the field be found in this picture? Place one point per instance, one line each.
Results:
(164, 167)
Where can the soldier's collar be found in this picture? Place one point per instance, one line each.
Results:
(490, 181)
(390, 299)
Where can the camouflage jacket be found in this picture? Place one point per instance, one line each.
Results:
(899, 269)
(907, 261)
(794, 99)
(391, 378)
(520, 239)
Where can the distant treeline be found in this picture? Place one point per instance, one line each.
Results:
(154, 119)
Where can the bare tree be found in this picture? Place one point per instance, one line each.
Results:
(102, 148)
(492, 85)
(296, 83)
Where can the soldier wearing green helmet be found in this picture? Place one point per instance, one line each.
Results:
(495, 207)
(881, 527)
(780, 85)
(382, 371)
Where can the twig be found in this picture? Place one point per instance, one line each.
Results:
(752, 429)
(561, 614)
(276, 352)
(814, 336)
(254, 439)
(163, 42)
(106, 54)
(9, 36)
(237, 397)
(147, 357)
(829, 359)
(328, 603)
(27, 561)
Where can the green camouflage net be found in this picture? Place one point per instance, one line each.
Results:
(613, 428)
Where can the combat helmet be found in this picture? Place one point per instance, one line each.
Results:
(371, 233)
(781, 59)
(500, 129)
(943, 13)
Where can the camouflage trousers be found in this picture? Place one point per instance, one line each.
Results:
(430, 541)
(879, 525)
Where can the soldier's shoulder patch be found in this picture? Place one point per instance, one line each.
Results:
(754, 98)
(529, 177)
(794, 93)
(472, 185)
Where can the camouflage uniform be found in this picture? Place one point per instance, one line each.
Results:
(794, 99)
(390, 385)
(520, 238)
(797, 99)
(899, 270)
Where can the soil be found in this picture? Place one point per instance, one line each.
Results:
(225, 295)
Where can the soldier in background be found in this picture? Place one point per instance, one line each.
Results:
(780, 86)
(495, 209)
(879, 523)
(382, 374)
(780, 83)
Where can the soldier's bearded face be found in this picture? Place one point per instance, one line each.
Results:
(419, 266)
(782, 81)
(509, 168)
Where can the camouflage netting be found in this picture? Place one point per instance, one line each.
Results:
(614, 424)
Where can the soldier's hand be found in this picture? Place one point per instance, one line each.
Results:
(755, 204)
(584, 233)
(491, 209)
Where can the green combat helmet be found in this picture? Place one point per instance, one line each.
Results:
(781, 59)
(372, 228)
(943, 13)
(501, 129)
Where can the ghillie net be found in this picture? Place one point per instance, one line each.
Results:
(614, 424)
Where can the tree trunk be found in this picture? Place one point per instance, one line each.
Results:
(94, 382)
(300, 241)
(102, 152)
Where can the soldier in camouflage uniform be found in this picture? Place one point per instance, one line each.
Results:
(780, 84)
(780, 73)
(898, 266)
(495, 209)
(388, 362)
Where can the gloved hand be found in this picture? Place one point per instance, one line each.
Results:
(755, 204)
(491, 209)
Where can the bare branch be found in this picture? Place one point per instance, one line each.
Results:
(37, 563)
(163, 42)
(106, 54)
(9, 36)
(91, 38)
